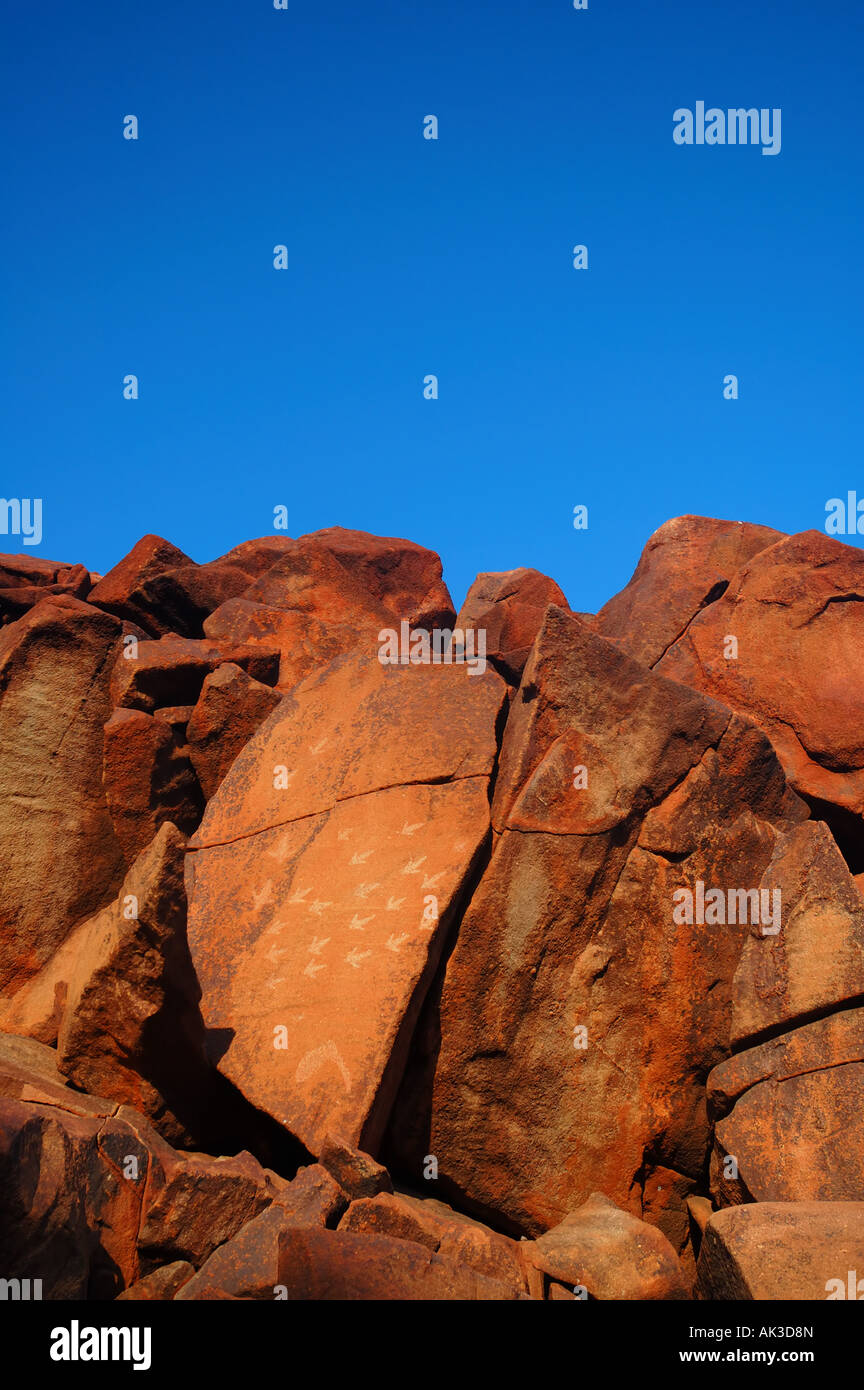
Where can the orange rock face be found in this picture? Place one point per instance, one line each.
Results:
(538, 975)
(796, 613)
(574, 1006)
(324, 876)
(685, 566)
(55, 665)
(509, 608)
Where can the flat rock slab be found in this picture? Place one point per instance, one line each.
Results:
(322, 881)
(799, 1251)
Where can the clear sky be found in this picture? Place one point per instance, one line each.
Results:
(409, 257)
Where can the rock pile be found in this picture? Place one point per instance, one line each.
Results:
(532, 976)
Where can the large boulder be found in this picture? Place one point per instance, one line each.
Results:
(60, 859)
(130, 1026)
(790, 1116)
(577, 1006)
(508, 608)
(323, 880)
(796, 612)
(610, 1255)
(148, 778)
(687, 564)
(332, 592)
(26, 579)
(783, 1251)
(230, 708)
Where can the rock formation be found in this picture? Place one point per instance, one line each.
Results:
(526, 964)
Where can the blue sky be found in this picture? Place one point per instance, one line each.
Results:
(408, 257)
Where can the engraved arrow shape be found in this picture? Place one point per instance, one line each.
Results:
(394, 942)
(319, 908)
(394, 904)
(413, 865)
(316, 946)
(361, 858)
(358, 923)
(355, 957)
(409, 829)
(365, 889)
(313, 968)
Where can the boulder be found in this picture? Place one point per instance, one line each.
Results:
(575, 1007)
(812, 959)
(26, 579)
(172, 671)
(686, 565)
(301, 1264)
(230, 708)
(783, 1252)
(509, 608)
(163, 1284)
(356, 1173)
(609, 1253)
(60, 859)
(792, 1117)
(330, 593)
(130, 1027)
(148, 778)
(323, 880)
(796, 611)
(442, 1230)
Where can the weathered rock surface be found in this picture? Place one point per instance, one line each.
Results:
(55, 665)
(798, 1251)
(558, 930)
(26, 579)
(686, 565)
(230, 708)
(172, 671)
(796, 611)
(572, 928)
(332, 593)
(509, 608)
(813, 958)
(792, 1117)
(610, 1254)
(323, 877)
(148, 778)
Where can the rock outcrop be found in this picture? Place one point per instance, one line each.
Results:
(350, 949)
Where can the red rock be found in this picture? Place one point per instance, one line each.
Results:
(301, 1264)
(164, 1283)
(172, 671)
(572, 928)
(793, 1116)
(357, 1173)
(331, 593)
(610, 1254)
(509, 608)
(26, 579)
(320, 895)
(247, 1265)
(59, 856)
(29, 1072)
(781, 1251)
(816, 959)
(797, 614)
(130, 1026)
(68, 1216)
(257, 556)
(443, 1230)
(230, 708)
(121, 590)
(685, 566)
(148, 779)
(162, 590)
